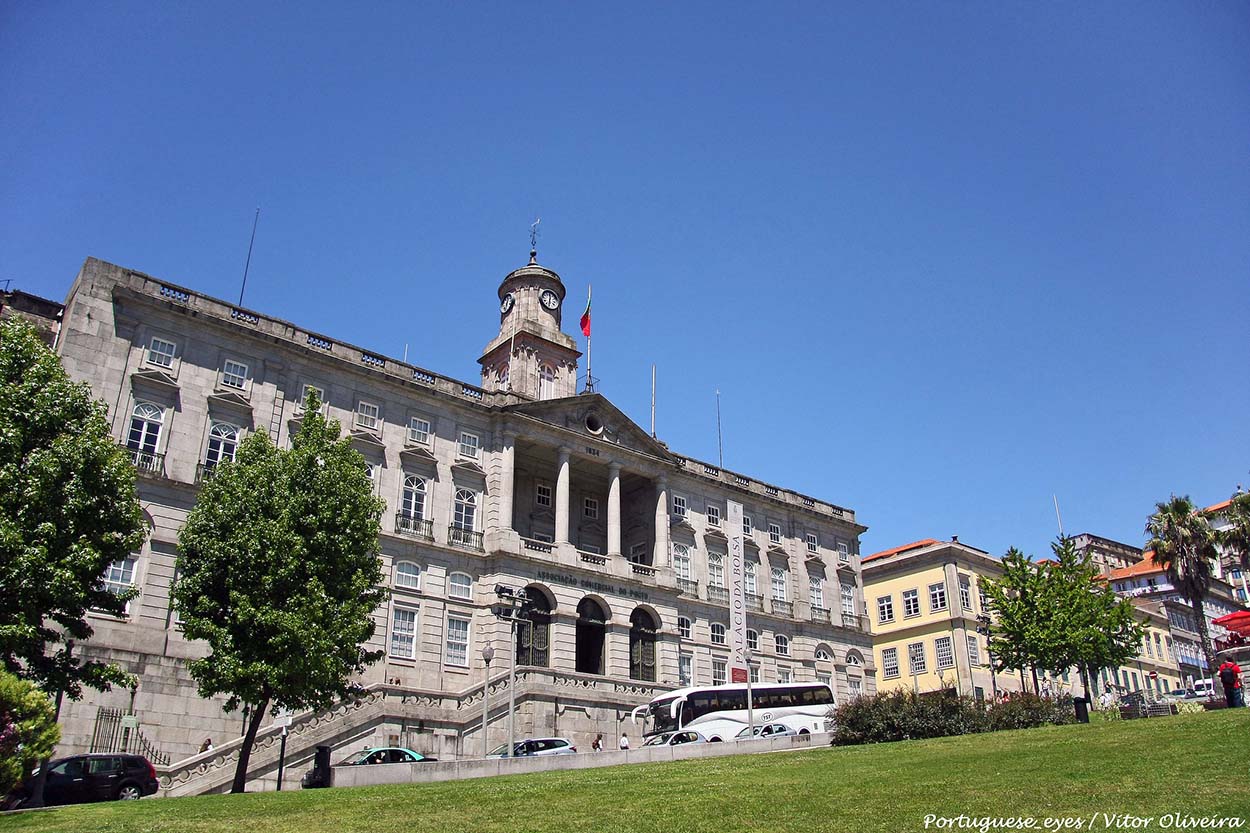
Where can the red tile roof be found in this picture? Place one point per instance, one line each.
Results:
(1146, 566)
(1217, 507)
(915, 545)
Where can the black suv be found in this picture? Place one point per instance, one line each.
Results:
(96, 777)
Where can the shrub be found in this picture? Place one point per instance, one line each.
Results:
(904, 715)
(28, 731)
(1027, 711)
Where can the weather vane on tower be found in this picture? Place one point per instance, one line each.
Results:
(534, 239)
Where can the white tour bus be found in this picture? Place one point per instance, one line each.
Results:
(719, 713)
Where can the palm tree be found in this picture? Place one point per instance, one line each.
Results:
(1184, 546)
(1236, 539)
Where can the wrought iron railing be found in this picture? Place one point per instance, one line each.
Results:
(416, 527)
(466, 538)
(687, 586)
(642, 569)
(204, 471)
(116, 731)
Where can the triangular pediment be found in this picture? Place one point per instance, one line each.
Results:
(229, 399)
(585, 413)
(155, 378)
(463, 466)
(367, 439)
(418, 454)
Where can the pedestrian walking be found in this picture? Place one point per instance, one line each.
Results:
(597, 744)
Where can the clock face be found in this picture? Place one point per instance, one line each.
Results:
(506, 306)
(549, 299)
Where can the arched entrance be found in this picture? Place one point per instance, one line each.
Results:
(642, 630)
(592, 622)
(533, 640)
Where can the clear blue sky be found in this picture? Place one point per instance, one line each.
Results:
(943, 260)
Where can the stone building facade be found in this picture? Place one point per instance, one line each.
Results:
(619, 542)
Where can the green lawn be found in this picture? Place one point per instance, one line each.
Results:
(1143, 767)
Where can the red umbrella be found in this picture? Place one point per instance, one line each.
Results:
(1238, 622)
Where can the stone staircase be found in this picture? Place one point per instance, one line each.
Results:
(355, 720)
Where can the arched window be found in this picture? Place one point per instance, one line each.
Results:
(460, 586)
(642, 630)
(407, 574)
(223, 439)
(466, 510)
(591, 633)
(503, 377)
(854, 657)
(823, 654)
(718, 633)
(412, 501)
(753, 640)
(145, 428)
(783, 645)
(533, 640)
(546, 382)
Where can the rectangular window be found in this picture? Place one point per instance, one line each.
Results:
(944, 649)
(542, 494)
(544, 537)
(321, 396)
(885, 609)
(715, 569)
(827, 679)
(779, 584)
(915, 658)
(234, 374)
(591, 548)
(746, 524)
(404, 633)
(755, 674)
(748, 579)
(1159, 647)
(685, 669)
(856, 686)
(784, 675)
(679, 506)
(911, 603)
(889, 662)
(974, 651)
(683, 627)
(844, 552)
(468, 445)
(590, 508)
(120, 576)
(161, 352)
(418, 431)
(457, 641)
(718, 672)
(367, 415)
(965, 595)
(816, 587)
(848, 600)
(937, 597)
(713, 516)
(813, 543)
(774, 533)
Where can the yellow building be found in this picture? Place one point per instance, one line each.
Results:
(923, 601)
(1156, 668)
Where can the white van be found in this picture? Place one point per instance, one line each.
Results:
(1204, 689)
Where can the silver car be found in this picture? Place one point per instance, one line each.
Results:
(768, 730)
(675, 738)
(531, 747)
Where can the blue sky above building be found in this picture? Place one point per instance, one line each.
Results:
(942, 261)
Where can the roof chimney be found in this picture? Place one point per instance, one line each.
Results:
(954, 539)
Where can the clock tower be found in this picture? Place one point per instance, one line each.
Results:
(531, 356)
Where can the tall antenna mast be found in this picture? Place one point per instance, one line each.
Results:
(248, 263)
(1058, 519)
(720, 448)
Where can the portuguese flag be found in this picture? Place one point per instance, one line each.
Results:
(586, 315)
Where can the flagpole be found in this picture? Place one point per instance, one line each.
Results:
(653, 400)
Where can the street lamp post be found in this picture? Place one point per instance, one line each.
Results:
(983, 627)
(512, 603)
(488, 654)
(746, 657)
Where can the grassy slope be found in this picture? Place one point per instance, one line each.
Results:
(1144, 767)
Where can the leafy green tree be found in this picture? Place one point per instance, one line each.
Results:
(68, 509)
(278, 572)
(1018, 637)
(28, 730)
(1185, 547)
(1091, 627)
(1236, 539)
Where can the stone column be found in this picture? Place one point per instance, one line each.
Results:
(614, 509)
(562, 497)
(507, 478)
(660, 554)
